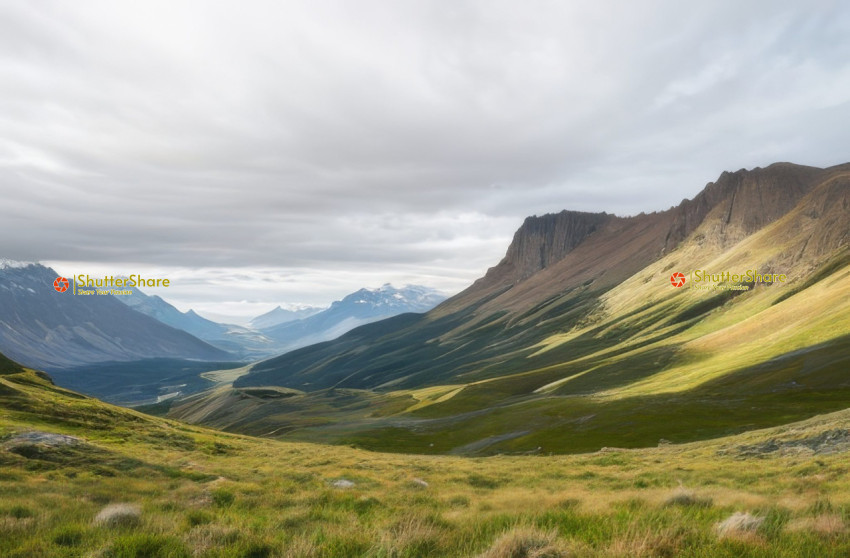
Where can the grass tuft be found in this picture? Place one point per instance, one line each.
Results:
(687, 498)
(526, 542)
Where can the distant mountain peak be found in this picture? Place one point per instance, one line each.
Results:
(280, 315)
(15, 264)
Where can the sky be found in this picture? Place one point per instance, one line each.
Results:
(277, 152)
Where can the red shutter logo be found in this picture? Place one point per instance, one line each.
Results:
(677, 279)
(60, 284)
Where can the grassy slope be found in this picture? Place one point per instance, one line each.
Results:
(206, 493)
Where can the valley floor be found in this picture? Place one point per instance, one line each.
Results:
(126, 484)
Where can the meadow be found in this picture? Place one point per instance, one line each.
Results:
(132, 485)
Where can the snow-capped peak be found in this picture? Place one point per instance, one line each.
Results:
(14, 264)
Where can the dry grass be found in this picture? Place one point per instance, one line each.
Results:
(645, 543)
(411, 536)
(525, 542)
(739, 524)
(204, 538)
(828, 524)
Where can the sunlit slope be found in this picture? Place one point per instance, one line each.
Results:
(732, 329)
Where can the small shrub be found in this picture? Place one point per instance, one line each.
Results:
(686, 498)
(480, 481)
(198, 517)
(68, 535)
(222, 497)
(569, 504)
(459, 501)
(256, 550)
(119, 515)
(19, 512)
(142, 545)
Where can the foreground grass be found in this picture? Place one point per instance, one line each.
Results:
(187, 491)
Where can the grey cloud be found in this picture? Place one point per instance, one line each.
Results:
(330, 134)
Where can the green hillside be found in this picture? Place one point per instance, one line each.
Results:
(83, 478)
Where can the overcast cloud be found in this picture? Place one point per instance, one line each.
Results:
(274, 152)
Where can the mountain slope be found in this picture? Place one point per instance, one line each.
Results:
(596, 336)
(47, 329)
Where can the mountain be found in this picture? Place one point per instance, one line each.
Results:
(577, 339)
(280, 315)
(243, 342)
(155, 307)
(44, 328)
(358, 308)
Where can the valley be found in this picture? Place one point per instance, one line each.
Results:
(571, 352)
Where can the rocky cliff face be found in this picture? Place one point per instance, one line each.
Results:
(543, 241)
(742, 202)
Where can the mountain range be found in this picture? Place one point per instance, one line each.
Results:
(43, 328)
(358, 308)
(577, 338)
(136, 348)
(280, 330)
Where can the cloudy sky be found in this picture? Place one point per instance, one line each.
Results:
(259, 153)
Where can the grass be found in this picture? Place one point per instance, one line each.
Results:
(197, 492)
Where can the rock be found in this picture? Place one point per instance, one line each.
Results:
(36, 445)
(48, 439)
(119, 515)
(342, 483)
(831, 441)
